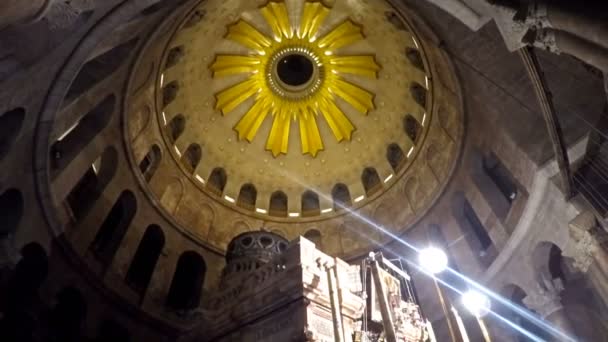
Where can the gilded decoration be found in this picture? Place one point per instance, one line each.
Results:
(295, 75)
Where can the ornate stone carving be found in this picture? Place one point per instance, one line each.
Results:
(587, 238)
(546, 299)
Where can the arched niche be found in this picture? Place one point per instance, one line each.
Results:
(11, 212)
(310, 204)
(247, 197)
(114, 227)
(145, 259)
(341, 196)
(187, 283)
(278, 204)
(11, 122)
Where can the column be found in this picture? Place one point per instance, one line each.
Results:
(590, 252)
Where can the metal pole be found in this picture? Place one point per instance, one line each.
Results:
(446, 312)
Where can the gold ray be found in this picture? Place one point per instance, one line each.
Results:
(309, 133)
(278, 139)
(232, 65)
(312, 17)
(277, 18)
(339, 124)
(242, 32)
(249, 124)
(344, 34)
(230, 98)
(361, 99)
(356, 65)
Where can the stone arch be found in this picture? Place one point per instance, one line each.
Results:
(315, 236)
(192, 157)
(170, 91)
(418, 93)
(11, 123)
(414, 56)
(410, 189)
(92, 184)
(114, 227)
(150, 163)
(412, 128)
(217, 181)
(341, 196)
(310, 204)
(176, 127)
(11, 212)
(99, 68)
(145, 259)
(547, 261)
(247, 197)
(434, 161)
(139, 121)
(278, 204)
(494, 181)
(70, 144)
(371, 181)
(187, 283)
(174, 56)
(68, 315)
(472, 228)
(173, 195)
(395, 157)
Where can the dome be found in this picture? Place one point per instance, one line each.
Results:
(295, 115)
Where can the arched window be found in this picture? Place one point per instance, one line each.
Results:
(247, 197)
(192, 157)
(68, 315)
(217, 181)
(32, 269)
(174, 56)
(149, 164)
(310, 204)
(114, 227)
(371, 181)
(474, 232)
(100, 68)
(314, 236)
(92, 184)
(494, 181)
(395, 157)
(412, 128)
(170, 93)
(418, 92)
(68, 146)
(10, 126)
(11, 212)
(145, 258)
(413, 55)
(110, 330)
(278, 204)
(341, 196)
(187, 283)
(176, 127)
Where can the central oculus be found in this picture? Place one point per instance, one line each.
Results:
(295, 75)
(295, 70)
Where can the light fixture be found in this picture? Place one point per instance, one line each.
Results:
(433, 260)
(388, 178)
(261, 211)
(325, 211)
(359, 199)
(294, 214)
(200, 179)
(177, 151)
(164, 119)
(162, 79)
(476, 302)
(415, 42)
(423, 119)
(409, 153)
(229, 199)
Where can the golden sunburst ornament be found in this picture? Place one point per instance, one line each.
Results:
(295, 75)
